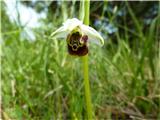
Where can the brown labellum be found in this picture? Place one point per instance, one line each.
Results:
(77, 44)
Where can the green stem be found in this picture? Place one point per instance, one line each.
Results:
(87, 87)
(86, 7)
(85, 66)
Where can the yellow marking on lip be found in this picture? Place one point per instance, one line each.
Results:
(74, 48)
(76, 42)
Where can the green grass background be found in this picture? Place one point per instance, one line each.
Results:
(41, 81)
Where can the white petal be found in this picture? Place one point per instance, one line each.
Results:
(93, 35)
(60, 33)
(70, 24)
(67, 27)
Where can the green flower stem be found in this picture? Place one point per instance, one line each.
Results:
(87, 87)
(85, 65)
(86, 7)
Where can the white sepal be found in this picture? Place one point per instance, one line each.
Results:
(93, 35)
(60, 33)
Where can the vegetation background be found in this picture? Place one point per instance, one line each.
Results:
(40, 81)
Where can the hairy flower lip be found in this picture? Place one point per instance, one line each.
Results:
(74, 40)
(84, 39)
(74, 24)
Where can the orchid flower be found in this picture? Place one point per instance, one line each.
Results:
(77, 36)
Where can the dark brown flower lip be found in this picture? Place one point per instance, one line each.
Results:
(77, 44)
(82, 51)
(84, 38)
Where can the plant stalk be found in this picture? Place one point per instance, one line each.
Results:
(85, 65)
(87, 87)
